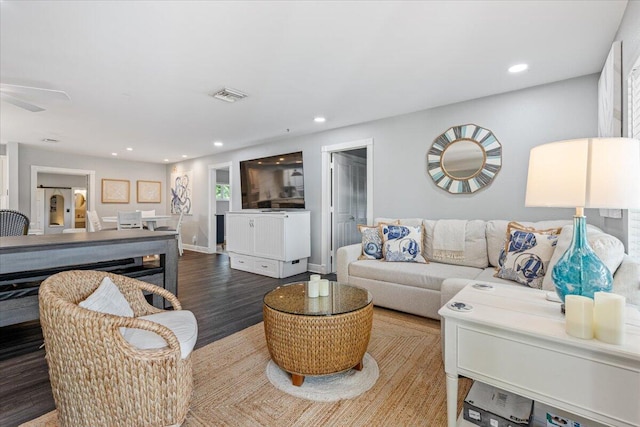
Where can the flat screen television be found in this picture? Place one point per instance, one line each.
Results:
(275, 182)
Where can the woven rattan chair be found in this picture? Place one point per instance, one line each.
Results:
(13, 223)
(97, 378)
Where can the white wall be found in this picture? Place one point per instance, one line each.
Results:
(402, 187)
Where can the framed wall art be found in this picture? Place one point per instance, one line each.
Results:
(149, 191)
(115, 190)
(181, 191)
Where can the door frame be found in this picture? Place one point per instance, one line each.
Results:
(211, 235)
(91, 185)
(327, 189)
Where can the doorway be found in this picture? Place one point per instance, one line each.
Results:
(220, 202)
(38, 200)
(347, 196)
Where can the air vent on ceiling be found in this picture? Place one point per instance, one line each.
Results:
(229, 95)
(50, 140)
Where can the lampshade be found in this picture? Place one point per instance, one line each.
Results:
(589, 172)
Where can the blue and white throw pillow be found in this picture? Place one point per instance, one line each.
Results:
(371, 242)
(525, 258)
(402, 243)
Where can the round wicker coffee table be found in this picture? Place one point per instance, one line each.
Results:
(317, 336)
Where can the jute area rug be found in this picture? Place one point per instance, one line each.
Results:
(231, 388)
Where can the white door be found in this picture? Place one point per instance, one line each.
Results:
(349, 199)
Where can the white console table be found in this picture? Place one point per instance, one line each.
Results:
(514, 339)
(275, 244)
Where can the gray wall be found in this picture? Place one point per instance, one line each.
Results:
(59, 180)
(402, 187)
(104, 168)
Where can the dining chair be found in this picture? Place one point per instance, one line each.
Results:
(151, 212)
(129, 220)
(177, 230)
(94, 221)
(13, 223)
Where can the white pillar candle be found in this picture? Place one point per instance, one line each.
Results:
(314, 277)
(324, 287)
(608, 317)
(579, 316)
(313, 288)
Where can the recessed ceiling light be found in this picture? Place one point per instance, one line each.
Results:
(281, 159)
(166, 160)
(129, 149)
(319, 119)
(218, 143)
(518, 68)
(114, 154)
(184, 156)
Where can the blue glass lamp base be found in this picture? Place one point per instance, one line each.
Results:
(579, 271)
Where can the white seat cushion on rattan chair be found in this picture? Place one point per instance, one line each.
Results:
(181, 322)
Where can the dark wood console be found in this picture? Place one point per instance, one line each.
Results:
(25, 261)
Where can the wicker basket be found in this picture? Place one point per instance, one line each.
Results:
(317, 345)
(97, 378)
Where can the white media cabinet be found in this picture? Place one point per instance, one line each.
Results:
(274, 244)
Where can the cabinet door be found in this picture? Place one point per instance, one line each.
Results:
(269, 236)
(240, 232)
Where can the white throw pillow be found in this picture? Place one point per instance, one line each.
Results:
(108, 299)
(608, 248)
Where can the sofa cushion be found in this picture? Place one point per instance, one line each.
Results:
(488, 275)
(371, 242)
(475, 244)
(426, 276)
(527, 254)
(626, 282)
(403, 221)
(608, 248)
(402, 243)
(497, 231)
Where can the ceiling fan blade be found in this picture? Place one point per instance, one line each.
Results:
(18, 103)
(37, 92)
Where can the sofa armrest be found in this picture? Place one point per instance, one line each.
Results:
(346, 255)
(450, 287)
(626, 280)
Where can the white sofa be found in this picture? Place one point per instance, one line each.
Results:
(423, 288)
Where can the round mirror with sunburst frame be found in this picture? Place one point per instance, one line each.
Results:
(464, 159)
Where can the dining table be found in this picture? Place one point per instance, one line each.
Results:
(150, 220)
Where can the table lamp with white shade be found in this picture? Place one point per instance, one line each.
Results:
(584, 173)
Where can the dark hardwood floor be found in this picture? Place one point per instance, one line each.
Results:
(224, 301)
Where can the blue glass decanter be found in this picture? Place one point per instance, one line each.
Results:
(579, 271)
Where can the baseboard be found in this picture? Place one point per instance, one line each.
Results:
(201, 249)
(316, 268)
